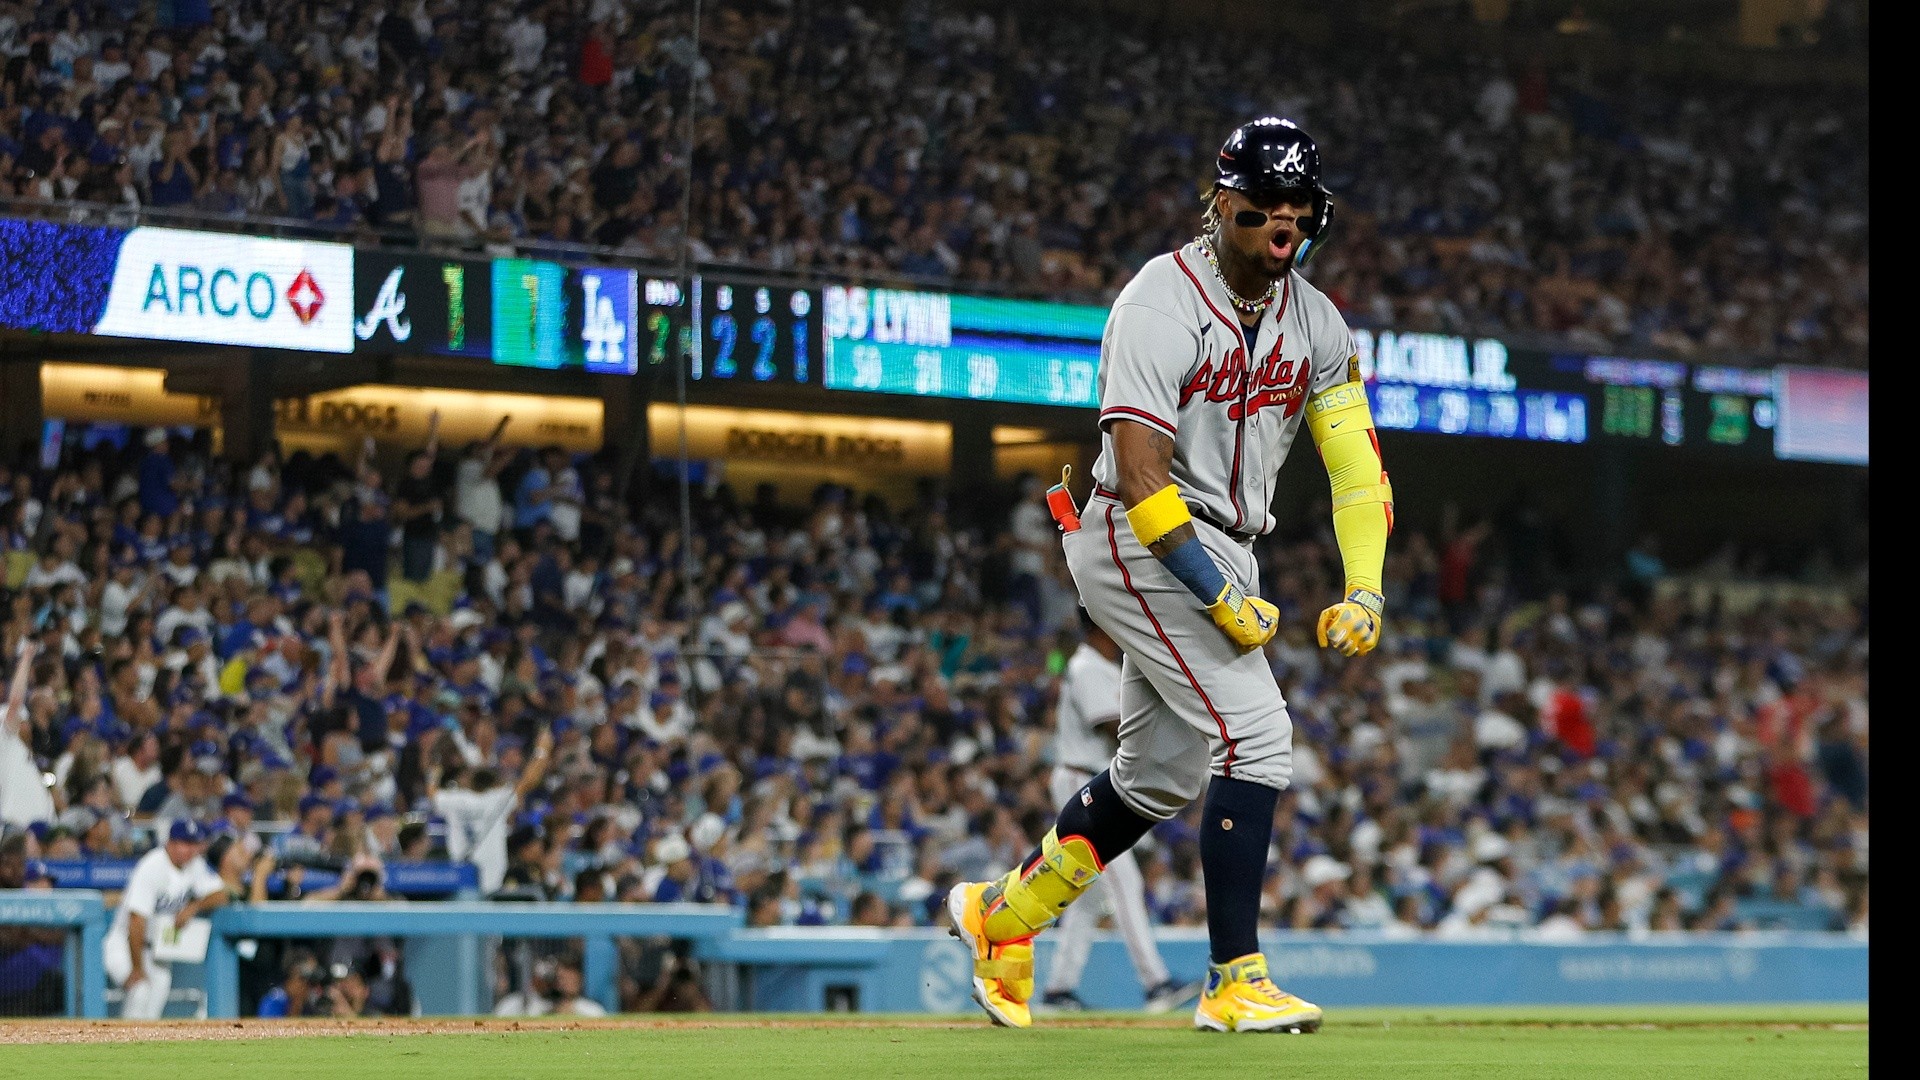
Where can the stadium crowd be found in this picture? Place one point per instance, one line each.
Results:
(1038, 152)
(485, 656)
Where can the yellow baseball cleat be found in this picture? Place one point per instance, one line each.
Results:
(1240, 997)
(1003, 971)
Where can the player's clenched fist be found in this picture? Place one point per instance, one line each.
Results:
(1248, 621)
(1353, 625)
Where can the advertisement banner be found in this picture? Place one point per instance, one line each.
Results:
(546, 315)
(402, 415)
(806, 441)
(176, 285)
(420, 304)
(1823, 415)
(94, 393)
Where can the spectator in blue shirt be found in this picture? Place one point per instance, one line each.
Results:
(173, 181)
(533, 498)
(157, 495)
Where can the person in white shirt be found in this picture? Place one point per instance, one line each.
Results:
(189, 608)
(477, 815)
(568, 1000)
(55, 567)
(169, 886)
(476, 488)
(123, 593)
(1086, 729)
(1505, 671)
(24, 798)
(135, 771)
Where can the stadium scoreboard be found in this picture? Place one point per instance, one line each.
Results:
(314, 296)
(755, 332)
(1677, 404)
(929, 344)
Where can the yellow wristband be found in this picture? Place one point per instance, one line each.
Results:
(1158, 514)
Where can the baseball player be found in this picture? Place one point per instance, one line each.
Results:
(169, 885)
(1083, 743)
(1214, 358)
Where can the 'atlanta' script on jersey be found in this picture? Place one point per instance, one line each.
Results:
(1275, 382)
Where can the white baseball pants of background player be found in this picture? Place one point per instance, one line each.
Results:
(148, 1000)
(1122, 884)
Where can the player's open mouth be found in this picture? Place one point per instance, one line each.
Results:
(1279, 250)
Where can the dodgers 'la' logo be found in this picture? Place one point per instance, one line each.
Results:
(602, 331)
(387, 308)
(1291, 161)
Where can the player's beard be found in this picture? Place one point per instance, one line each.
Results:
(1257, 253)
(1258, 256)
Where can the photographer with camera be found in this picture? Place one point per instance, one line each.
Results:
(674, 987)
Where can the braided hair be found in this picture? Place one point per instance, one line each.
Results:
(1210, 217)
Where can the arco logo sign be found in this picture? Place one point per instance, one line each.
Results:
(177, 285)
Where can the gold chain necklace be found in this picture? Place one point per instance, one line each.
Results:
(1240, 304)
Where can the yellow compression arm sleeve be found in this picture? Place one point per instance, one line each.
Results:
(1342, 427)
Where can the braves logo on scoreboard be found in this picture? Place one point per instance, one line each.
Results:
(389, 307)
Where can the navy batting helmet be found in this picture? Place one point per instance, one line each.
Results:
(1271, 157)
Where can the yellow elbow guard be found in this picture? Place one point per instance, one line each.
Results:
(1158, 514)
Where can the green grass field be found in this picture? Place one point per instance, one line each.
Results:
(1402, 1044)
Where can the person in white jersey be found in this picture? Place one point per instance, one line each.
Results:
(1086, 722)
(169, 885)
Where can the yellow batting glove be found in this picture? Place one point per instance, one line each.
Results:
(1353, 625)
(1248, 621)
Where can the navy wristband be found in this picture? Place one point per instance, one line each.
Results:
(1196, 570)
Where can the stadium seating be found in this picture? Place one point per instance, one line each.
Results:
(1040, 153)
(1550, 751)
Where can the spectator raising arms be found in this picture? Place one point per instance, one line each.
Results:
(24, 798)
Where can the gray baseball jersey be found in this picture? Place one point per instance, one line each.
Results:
(1089, 699)
(1175, 358)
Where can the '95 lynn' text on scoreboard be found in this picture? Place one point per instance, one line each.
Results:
(945, 345)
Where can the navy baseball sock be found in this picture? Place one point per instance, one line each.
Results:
(1236, 824)
(1097, 814)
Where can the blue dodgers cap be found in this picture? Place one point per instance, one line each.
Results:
(321, 776)
(308, 803)
(237, 798)
(243, 638)
(186, 831)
